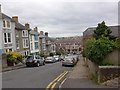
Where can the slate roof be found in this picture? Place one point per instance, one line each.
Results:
(5, 16)
(34, 32)
(19, 26)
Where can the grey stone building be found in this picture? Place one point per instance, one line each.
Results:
(22, 37)
(7, 33)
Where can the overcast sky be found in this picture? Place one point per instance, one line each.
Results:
(61, 18)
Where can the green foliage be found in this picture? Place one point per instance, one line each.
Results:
(14, 57)
(102, 30)
(97, 50)
(107, 63)
(118, 42)
(42, 55)
(61, 52)
(52, 54)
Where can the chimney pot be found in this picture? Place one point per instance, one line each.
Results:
(15, 18)
(36, 29)
(27, 25)
(41, 32)
(46, 34)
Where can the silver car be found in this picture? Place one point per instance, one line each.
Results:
(68, 61)
(50, 59)
(35, 60)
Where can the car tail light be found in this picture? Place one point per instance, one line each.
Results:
(34, 60)
(63, 60)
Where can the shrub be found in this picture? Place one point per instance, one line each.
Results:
(96, 50)
(107, 64)
(14, 57)
(51, 54)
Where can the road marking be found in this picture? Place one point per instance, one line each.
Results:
(62, 76)
(62, 83)
(55, 80)
(53, 86)
(58, 80)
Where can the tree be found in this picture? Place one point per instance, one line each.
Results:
(102, 30)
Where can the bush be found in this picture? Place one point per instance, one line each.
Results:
(52, 54)
(118, 42)
(97, 50)
(107, 64)
(14, 57)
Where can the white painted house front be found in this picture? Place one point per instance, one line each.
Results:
(34, 42)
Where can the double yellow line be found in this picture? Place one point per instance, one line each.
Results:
(55, 81)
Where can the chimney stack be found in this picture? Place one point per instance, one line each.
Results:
(27, 25)
(41, 32)
(35, 29)
(46, 34)
(15, 18)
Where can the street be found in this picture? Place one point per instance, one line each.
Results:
(33, 77)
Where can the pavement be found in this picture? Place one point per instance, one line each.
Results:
(12, 68)
(78, 78)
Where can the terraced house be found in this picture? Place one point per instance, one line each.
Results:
(22, 37)
(7, 31)
(46, 44)
(34, 41)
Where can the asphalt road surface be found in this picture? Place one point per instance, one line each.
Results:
(33, 77)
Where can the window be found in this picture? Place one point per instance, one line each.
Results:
(7, 38)
(25, 43)
(25, 33)
(16, 32)
(8, 50)
(6, 24)
(17, 44)
(36, 45)
(36, 37)
(31, 46)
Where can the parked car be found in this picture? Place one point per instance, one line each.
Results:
(56, 57)
(68, 61)
(61, 58)
(50, 59)
(35, 60)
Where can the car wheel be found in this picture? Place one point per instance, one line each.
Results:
(38, 64)
(43, 63)
(63, 65)
(27, 66)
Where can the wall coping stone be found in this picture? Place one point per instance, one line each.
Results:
(109, 66)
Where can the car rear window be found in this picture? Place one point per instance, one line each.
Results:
(68, 58)
(49, 57)
(29, 57)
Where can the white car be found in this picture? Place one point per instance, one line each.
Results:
(56, 58)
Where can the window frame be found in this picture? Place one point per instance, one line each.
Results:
(7, 38)
(5, 24)
(25, 33)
